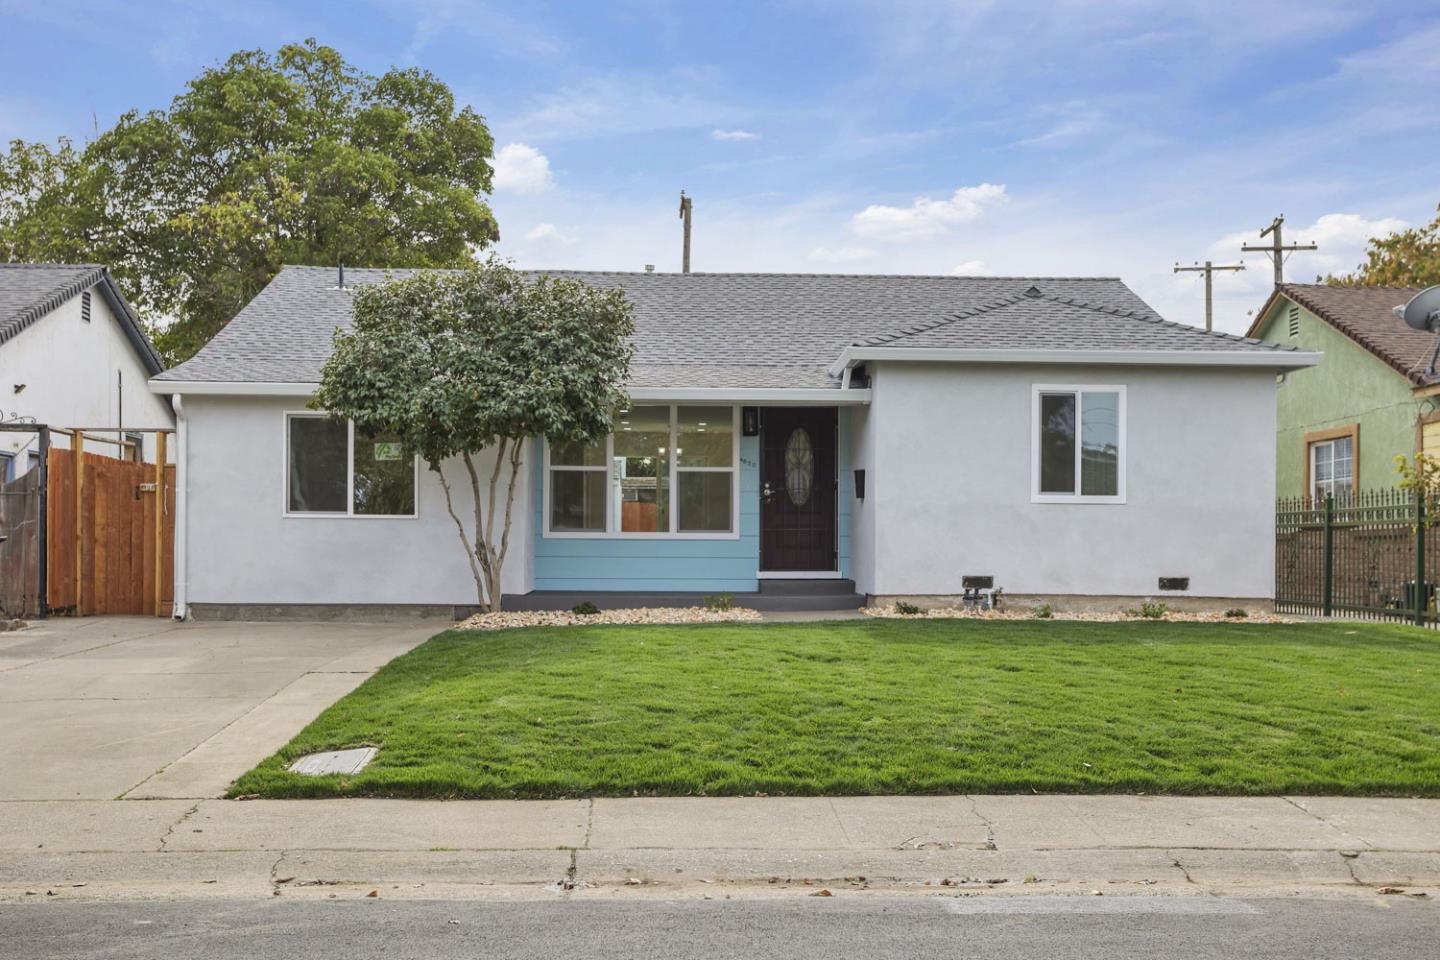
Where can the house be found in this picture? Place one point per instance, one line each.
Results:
(72, 354)
(891, 436)
(1340, 425)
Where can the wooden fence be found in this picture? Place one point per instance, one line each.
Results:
(20, 547)
(116, 555)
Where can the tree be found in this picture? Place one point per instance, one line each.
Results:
(1407, 258)
(458, 363)
(265, 160)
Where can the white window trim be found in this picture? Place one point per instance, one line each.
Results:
(1076, 388)
(674, 533)
(349, 512)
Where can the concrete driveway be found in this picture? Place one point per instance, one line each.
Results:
(104, 707)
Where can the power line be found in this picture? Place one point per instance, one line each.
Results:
(1209, 270)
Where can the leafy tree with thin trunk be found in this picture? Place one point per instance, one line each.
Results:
(1406, 258)
(263, 160)
(460, 363)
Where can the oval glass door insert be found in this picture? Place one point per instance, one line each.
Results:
(799, 466)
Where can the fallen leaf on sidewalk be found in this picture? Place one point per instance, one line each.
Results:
(283, 879)
(822, 893)
(1391, 890)
(373, 893)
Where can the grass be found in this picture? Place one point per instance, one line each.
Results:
(890, 707)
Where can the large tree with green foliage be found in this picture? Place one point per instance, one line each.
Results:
(457, 364)
(1406, 258)
(292, 158)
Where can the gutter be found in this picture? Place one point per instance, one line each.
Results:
(829, 396)
(1279, 360)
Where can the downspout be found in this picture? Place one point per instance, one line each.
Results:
(182, 458)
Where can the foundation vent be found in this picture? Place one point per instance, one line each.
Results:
(1174, 583)
(973, 582)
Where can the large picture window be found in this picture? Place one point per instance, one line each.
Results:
(663, 471)
(1078, 444)
(331, 469)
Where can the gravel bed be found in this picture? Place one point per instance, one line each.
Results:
(565, 618)
(1111, 616)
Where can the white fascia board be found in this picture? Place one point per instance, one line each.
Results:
(232, 388)
(773, 396)
(1278, 360)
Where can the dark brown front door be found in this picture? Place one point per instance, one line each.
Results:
(797, 488)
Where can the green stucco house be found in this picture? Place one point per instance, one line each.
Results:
(1340, 425)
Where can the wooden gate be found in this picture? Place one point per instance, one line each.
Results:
(111, 534)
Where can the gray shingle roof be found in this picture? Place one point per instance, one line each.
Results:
(29, 291)
(722, 329)
(1036, 320)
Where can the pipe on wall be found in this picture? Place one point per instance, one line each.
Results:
(182, 456)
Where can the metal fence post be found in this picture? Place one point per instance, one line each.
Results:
(1327, 542)
(1420, 591)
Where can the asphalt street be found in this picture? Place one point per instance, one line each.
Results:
(913, 928)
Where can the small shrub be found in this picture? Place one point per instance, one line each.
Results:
(1150, 611)
(1236, 613)
(586, 609)
(719, 602)
(1044, 612)
(906, 609)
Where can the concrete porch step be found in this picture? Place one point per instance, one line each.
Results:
(809, 587)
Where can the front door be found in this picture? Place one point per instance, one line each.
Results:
(797, 488)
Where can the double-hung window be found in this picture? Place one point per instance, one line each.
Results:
(332, 469)
(1332, 467)
(1078, 444)
(662, 471)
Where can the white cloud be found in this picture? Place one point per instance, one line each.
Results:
(733, 135)
(520, 168)
(621, 104)
(926, 219)
(971, 268)
(841, 254)
(1341, 238)
(549, 233)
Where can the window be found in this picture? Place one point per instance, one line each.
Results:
(1078, 446)
(663, 471)
(333, 469)
(1332, 467)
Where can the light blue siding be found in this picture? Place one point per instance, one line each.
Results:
(709, 566)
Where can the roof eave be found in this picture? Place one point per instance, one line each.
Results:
(779, 396)
(1276, 360)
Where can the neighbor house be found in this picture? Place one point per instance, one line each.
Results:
(788, 434)
(72, 354)
(1340, 425)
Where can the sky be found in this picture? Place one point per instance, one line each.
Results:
(1066, 138)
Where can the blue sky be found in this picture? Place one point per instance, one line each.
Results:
(1043, 138)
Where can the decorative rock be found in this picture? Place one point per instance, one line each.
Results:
(335, 761)
(565, 618)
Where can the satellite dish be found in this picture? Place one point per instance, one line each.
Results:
(1423, 310)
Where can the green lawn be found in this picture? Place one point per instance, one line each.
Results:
(886, 706)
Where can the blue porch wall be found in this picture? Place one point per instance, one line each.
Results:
(705, 566)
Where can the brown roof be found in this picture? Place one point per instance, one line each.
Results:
(1364, 314)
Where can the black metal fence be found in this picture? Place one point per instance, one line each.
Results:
(1367, 555)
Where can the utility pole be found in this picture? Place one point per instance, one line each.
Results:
(1209, 270)
(685, 206)
(1276, 249)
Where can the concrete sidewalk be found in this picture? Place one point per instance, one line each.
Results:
(716, 847)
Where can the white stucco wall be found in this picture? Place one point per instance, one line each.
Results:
(240, 548)
(69, 368)
(949, 484)
(862, 512)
